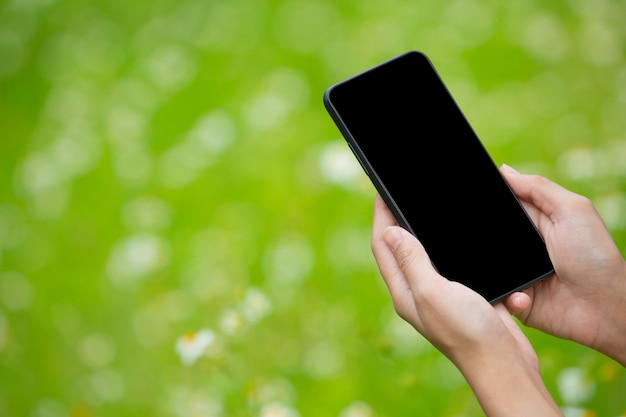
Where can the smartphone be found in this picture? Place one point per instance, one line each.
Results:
(436, 176)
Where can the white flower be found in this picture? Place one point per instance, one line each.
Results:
(192, 346)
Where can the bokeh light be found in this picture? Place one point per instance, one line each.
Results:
(183, 231)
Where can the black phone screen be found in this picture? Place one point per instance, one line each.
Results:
(437, 177)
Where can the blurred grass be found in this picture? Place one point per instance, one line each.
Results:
(167, 167)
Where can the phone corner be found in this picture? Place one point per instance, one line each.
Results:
(327, 100)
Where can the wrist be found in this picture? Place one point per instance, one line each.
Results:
(507, 385)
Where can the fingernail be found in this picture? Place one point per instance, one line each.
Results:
(510, 169)
(393, 237)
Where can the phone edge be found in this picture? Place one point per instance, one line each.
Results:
(363, 161)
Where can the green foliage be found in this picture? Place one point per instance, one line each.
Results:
(170, 181)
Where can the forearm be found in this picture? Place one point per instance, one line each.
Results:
(612, 337)
(507, 386)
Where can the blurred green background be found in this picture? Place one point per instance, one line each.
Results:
(183, 231)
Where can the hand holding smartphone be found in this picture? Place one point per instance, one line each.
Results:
(436, 176)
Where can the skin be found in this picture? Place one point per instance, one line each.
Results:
(484, 341)
(585, 300)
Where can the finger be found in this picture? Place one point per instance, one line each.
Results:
(383, 218)
(545, 201)
(505, 314)
(412, 260)
(539, 191)
(511, 325)
(392, 274)
(532, 211)
(519, 304)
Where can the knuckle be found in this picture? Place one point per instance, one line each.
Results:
(540, 179)
(539, 182)
(406, 256)
(581, 202)
(578, 203)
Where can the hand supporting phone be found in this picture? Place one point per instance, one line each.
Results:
(436, 176)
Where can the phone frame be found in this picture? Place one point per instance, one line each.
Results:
(379, 184)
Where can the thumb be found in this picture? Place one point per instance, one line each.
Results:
(410, 255)
(519, 304)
